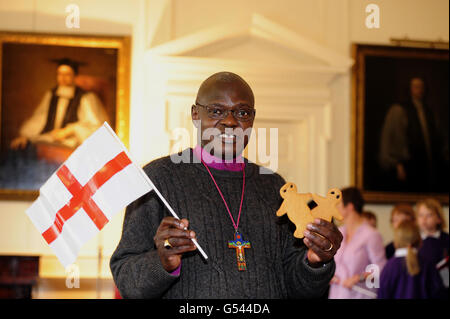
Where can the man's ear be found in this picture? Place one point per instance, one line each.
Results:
(195, 116)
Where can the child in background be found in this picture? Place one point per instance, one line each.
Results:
(431, 221)
(399, 213)
(406, 275)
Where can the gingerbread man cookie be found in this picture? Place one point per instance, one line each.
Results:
(326, 206)
(296, 207)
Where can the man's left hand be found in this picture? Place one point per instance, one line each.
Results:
(323, 240)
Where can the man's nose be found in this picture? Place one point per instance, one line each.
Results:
(230, 120)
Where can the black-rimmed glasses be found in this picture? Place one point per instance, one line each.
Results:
(241, 113)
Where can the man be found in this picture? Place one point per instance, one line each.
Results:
(412, 152)
(220, 202)
(67, 115)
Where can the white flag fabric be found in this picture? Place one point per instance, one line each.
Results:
(96, 182)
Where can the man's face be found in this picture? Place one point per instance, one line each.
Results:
(65, 76)
(225, 138)
(417, 88)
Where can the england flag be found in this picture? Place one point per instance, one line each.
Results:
(96, 182)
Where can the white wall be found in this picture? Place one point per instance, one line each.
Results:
(333, 23)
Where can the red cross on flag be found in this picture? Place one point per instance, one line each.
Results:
(94, 184)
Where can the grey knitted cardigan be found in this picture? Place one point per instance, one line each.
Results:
(276, 261)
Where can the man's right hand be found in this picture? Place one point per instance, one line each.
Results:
(175, 231)
(19, 143)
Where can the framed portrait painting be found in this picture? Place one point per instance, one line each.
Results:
(400, 123)
(56, 90)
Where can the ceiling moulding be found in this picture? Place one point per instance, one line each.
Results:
(259, 28)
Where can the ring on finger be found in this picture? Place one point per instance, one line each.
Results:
(331, 245)
(329, 249)
(167, 245)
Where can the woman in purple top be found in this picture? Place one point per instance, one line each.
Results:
(407, 275)
(362, 246)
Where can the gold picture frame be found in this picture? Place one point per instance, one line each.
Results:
(117, 79)
(378, 75)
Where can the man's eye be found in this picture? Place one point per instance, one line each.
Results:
(216, 111)
(243, 113)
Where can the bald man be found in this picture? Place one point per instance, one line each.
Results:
(229, 207)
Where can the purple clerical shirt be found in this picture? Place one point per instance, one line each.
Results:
(218, 163)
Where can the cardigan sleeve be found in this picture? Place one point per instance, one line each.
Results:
(135, 264)
(302, 280)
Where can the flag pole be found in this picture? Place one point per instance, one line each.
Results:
(99, 265)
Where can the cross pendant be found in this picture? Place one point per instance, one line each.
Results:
(239, 244)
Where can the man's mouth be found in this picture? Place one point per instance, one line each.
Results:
(228, 138)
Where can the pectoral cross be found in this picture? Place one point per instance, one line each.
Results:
(239, 244)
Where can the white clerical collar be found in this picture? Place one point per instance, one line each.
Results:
(402, 252)
(65, 91)
(436, 234)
